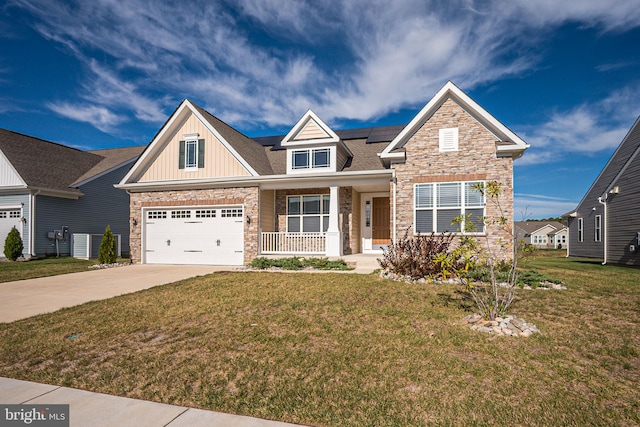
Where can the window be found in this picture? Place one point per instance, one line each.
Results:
(231, 213)
(438, 204)
(191, 155)
(580, 230)
(315, 158)
(156, 214)
(308, 214)
(449, 139)
(180, 214)
(598, 228)
(539, 240)
(14, 214)
(205, 213)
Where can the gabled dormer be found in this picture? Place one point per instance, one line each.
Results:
(313, 147)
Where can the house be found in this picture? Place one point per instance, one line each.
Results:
(605, 225)
(204, 193)
(52, 193)
(542, 234)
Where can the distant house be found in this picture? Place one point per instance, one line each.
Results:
(543, 234)
(204, 193)
(52, 194)
(606, 223)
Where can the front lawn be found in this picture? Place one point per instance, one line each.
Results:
(10, 271)
(344, 349)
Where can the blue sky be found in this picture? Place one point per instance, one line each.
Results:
(564, 75)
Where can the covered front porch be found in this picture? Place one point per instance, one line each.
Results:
(306, 218)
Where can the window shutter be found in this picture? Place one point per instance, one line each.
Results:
(201, 153)
(181, 155)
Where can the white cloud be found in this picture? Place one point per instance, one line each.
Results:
(100, 117)
(352, 59)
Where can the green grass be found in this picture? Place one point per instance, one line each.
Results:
(42, 267)
(336, 350)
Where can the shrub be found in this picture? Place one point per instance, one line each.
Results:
(261, 263)
(108, 251)
(418, 256)
(13, 245)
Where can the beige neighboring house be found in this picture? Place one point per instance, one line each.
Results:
(543, 234)
(204, 193)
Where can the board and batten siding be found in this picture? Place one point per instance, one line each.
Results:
(623, 212)
(101, 205)
(218, 162)
(268, 210)
(23, 200)
(311, 130)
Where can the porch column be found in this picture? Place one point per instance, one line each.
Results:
(334, 236)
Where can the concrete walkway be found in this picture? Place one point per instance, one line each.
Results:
(102, 410)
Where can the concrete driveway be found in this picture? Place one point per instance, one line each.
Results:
(26, 298)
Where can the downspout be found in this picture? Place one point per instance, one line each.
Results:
(604, 225)
(32, 223)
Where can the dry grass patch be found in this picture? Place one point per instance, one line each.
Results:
(344, 349)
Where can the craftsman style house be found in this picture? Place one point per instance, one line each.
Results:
(204, 193)
(605, 225)
(52, 194)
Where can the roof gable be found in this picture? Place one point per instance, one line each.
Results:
(9, 177)
(46, 165)
(507, 144)
(628, 149)
(310, 129)
(248, 153)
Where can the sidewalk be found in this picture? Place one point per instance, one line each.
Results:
(102, 410)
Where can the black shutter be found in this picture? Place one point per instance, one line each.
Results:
(181, 155)
(201, 153)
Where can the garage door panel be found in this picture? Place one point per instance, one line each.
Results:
(195, 236)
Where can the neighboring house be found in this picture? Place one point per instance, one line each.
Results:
(51, 192)
(543, 234)
(606, 224)
(204, 193)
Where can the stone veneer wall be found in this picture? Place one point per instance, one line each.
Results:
(247, 196)
(346, 217)
(475, 160)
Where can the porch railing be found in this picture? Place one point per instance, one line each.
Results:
(292, 243)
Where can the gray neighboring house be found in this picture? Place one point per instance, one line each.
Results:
(606, 225)
(55, 194)
(543, 234)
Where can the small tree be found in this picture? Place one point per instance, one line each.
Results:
(492, 299)
(108, 251)
(13, 245)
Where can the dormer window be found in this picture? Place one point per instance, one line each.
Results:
(310, 158)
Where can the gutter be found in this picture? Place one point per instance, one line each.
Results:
(604, 225)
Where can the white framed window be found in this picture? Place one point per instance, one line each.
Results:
(448, 140)
(157, 214)
(308, 214)
(205, 213)
(580, 230)
(311, 158)
(598, 228)
(436, 205)
(180, 214)
(191, 155)
(231, 213)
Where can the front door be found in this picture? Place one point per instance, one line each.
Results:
(380, 221)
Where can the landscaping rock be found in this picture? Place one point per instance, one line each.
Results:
(508, 326)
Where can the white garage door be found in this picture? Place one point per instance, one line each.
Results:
(9, 218)
(186, 235)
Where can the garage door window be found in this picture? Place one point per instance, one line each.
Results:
(9, 214)
(231, 213)
(180, 214)
(206, 213)
(156, 214)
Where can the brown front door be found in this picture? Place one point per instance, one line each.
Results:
(381, 222)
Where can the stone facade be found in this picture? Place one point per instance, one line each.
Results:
(475, 159)
(246, 196)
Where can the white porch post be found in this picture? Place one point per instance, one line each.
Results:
(334, 236)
